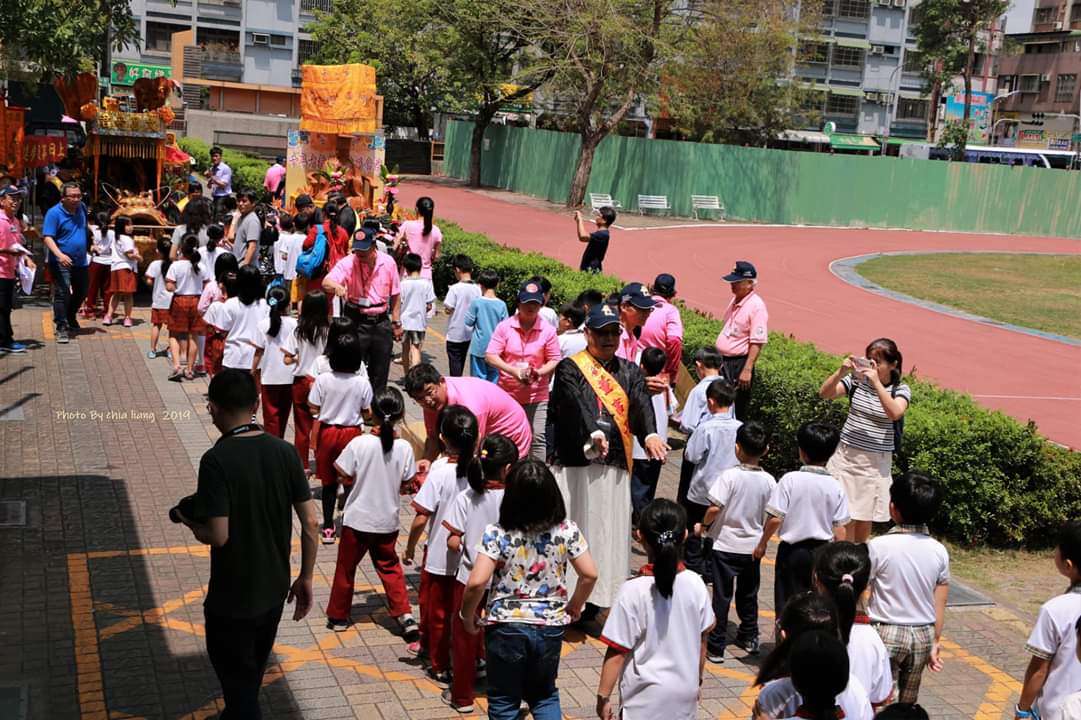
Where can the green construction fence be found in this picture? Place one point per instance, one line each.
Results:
(780, 186)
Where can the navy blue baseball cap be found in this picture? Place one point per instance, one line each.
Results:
(742, 271)
(664, 284)
(601, 315)
(363, 239)
(10, 190)
(637, 295)
(531, 292)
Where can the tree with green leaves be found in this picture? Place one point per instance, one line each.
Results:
(42, 39)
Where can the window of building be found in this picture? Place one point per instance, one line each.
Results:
(842, 105)
(279, 40)
(1044, 15)
(908, 109)
(1075, 13)
(847, 57)
(1030, 83)
(1006, 83)
(828, 7)
(305, 50)
(853, 8)
(159, 36)
(814, 53)
(913, 63)
(1064, 88)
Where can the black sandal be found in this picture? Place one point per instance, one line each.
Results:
(177, 376)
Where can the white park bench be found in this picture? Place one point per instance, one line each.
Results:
(599, 200)
(653, 202)
(706, 202)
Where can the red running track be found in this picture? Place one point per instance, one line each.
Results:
(1022, 375)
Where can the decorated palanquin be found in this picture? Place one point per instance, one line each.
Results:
(340, 145)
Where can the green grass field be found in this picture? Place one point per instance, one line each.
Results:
(1042, 292)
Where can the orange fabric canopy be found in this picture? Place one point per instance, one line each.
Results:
(338, 99)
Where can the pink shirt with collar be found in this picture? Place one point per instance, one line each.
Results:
(496, 411)
(664, 330)
(534, 347)
(10, 236)
(379, 284)
(745, 323)
(629, 347)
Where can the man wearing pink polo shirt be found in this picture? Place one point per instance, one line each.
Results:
(496, 411)
(525, 350)
(664, 328)
(744, 333)
(635, 306)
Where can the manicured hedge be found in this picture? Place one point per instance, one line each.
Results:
(248, 170)
(1005, 485)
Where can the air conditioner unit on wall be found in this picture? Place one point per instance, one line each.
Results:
(898, 3)
(878, 50)
(260, 39)
(1058, 25)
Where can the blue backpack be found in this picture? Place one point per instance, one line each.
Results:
(312, 261)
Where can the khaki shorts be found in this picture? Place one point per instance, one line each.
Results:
(866, 479)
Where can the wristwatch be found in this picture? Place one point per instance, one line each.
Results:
(396, 323)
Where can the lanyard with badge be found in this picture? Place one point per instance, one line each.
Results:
(240, 430)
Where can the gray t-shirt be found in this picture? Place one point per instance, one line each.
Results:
(248, 231)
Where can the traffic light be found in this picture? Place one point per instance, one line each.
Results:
(1037, 118)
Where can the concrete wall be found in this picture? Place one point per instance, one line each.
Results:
(256, 133)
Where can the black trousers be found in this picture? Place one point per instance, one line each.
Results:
(376, 348)
(743, 574)
(644, 477)
(730, 369)
(238, 650)
(7, 304)
(457, 356)
(697, 549)
(792, 576)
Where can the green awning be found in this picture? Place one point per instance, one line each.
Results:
(849, 91)
(853, 142)
(852, 43)
(905, 141)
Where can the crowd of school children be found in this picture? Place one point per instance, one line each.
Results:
(858, 620)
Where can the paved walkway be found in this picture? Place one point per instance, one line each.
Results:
(100, 613)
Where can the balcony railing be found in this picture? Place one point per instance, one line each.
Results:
(310, 6)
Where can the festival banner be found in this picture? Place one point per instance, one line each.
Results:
(42, 150)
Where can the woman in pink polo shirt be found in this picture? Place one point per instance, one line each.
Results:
(422, 236)
(525, 350)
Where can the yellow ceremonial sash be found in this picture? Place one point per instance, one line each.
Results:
(612, 396)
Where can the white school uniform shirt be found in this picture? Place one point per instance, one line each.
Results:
(780, 699)
(907, 564)
(104, 245)
(305, 352)
(810, 503)
(1054, 638)
(550, 316)
(712, 449)
(341, 398)
(373, 503)
(1070, 708)
(696, 409)
(870, 662)
(208, 258)
(280, 253)
(417, 293)
(160, 298)
(188, 280)
(434, 499)
(662, 637)
(272, 367)
(571, 343)
(742, 492)
(293, 248)
(460, 296)
(469, 514)
(123, 245)
(664, 405)
(240, 322)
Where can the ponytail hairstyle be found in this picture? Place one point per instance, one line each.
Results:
(214, 234)
(314, 321)
(104, 221)
(278, 301)
(497, 453)
(388, 407)
(338, 326)
(820, 669)
(426, 208)
(225, 268)
(843, 569)
(165, 245)
(122, 225)
(249, 284)
(663, 528)
(459, 431)
(189, 248)
(802, 613)
(884, 349)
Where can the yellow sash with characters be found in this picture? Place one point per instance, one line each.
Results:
(612, 396)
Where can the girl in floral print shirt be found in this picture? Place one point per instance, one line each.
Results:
(525, 556)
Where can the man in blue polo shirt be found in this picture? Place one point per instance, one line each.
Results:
(64, 230)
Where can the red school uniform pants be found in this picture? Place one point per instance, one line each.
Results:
(213, 351)
(436, 606)
(99, 285)
(302, 417)
(277, 402)
(352, 546)
(332, 440)
(465, 650)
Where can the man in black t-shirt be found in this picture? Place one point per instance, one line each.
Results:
(250, 483)
(597, 241)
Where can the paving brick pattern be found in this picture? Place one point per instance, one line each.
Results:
(100, 609)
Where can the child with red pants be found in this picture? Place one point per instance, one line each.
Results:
(302, 348)
(340, 399)
(275, 378)
(449, 475)
(474, 509)
(376, 466)
(211, 303)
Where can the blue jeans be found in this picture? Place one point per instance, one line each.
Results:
(69, 291)
(479, 368)
(644, 477)
(523, 662)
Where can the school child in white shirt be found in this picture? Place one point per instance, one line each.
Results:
(449, 475)
(707, 366)
(160, 297)
(122, 279)
(418, 295)
(272, 375)
(474, 509)
(820, 674)
(646, 472)
(460, 296)
(340, 399)
(572, 339)
(376, 466)
(910, 579)
(307, 343)
(1071, 704)
(212, 306)
(186, 279)
(656, 623)
(738, 500)
(239, 319)
(287, 251)
(842, 570)
(1054, 672)
(711, 448)
(213, 249)
(809, 508)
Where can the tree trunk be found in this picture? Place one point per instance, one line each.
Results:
(584, 168)
(484, 116)
(968, 79)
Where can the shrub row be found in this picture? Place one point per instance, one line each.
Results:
(248, 170)
(1005, 485)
